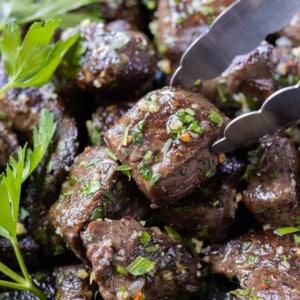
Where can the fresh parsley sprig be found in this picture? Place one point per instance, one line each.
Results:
(17, 171)
(27, 11)
(33, 61)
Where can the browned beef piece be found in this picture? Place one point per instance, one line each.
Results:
(22, 106)
(292, 31)
(209, 211)
(72, 282)
(267, 265)
(113, 246)
(286, 66)
(94, 189)
(245, 85)
(8, 143)
(180, 22)
(271, 193)
(166, 139)
(111, 61)
(103, 119)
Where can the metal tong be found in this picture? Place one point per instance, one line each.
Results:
(238, 30)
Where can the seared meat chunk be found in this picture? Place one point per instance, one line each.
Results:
(103, 119)
(166, 139)
(8, 143)
(209, 211)
(72, 282)
(129, 10)
(22, 106)
(267, 265)
(110, 61)
(129, 259)
(180, 22)
(271, 193)
(245, 85)
(94, 189)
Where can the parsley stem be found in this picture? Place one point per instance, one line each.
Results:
(10, 273)
(5, 88)
(12, 285)
(20, 259)
(27, 282)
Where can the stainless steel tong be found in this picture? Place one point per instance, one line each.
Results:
(238, 30)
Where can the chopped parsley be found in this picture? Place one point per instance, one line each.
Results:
(140, 266)
(215, 117)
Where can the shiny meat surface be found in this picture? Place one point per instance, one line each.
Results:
(93, 190)
(113, 245)
(166, 139)
(180, 22)
(72, 282)
(272, 193)
(267, 265)
(110, 61)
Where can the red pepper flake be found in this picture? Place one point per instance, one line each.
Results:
(139, 296)
(289, 63)
(87, 149)
(221, 158)
(265, 286)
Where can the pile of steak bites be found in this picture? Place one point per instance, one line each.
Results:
(129, 202)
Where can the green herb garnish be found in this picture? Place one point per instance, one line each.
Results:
(33, 61)
(27, 11)
(121, 270)
(145, 238)
(174, 234)
(125, 169)
(286, 230)
(140, 266)
(17, 171)
(215, 117)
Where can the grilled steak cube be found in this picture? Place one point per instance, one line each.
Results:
(8, 144)
(130, 260)
(266, 265)
(166, 139)
(209, 211)
(94, 189)
(72, 282)
(246, 83)
(111, 61)
(180, 23)
(271, 193)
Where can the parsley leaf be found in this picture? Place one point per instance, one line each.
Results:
(33, 61)
(27, 11)
(140, 266)
(17, 171)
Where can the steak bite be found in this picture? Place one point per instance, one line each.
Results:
(209, 211)
(110, 61)
(246, 83)
(267, 265)
(93, 190)
(179, 23)
(72, 282)
(166, 139)
(271, 193)
(131, 260)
